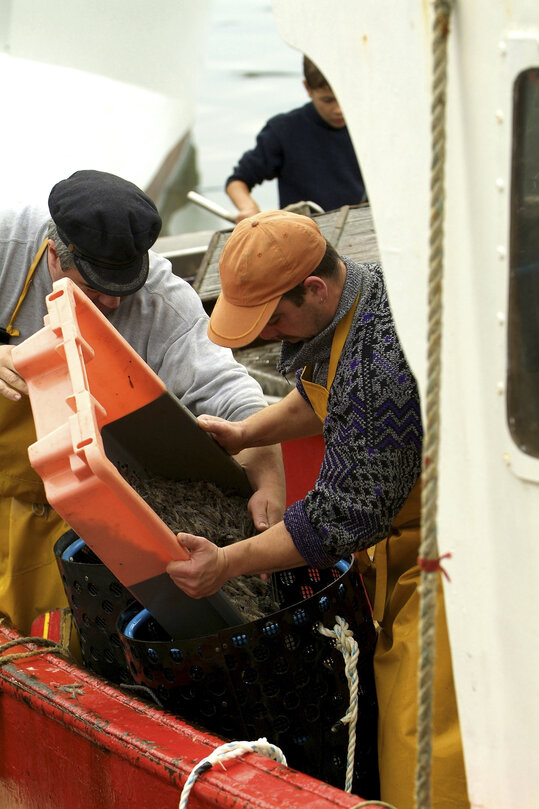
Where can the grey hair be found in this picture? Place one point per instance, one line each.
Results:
(65, 256)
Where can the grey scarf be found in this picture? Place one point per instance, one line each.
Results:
(317, 351)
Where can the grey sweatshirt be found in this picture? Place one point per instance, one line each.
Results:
(164, 322)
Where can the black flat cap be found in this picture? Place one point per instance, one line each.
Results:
(109, 225)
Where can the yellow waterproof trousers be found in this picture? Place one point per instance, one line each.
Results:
(394, 582)
(30, 583)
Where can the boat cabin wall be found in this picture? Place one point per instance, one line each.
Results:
(378, 61)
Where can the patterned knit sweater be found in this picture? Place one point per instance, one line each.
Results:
(372, 432)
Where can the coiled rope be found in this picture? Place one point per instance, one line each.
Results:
(48, 647)
(370, 804)
(347, 645)
(224, 753)
(429, 543)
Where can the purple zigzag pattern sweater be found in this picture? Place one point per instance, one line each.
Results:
(372, 433)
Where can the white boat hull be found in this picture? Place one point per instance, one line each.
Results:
(377, 58)
(101, 85)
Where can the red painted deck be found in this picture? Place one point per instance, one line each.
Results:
(70, 741)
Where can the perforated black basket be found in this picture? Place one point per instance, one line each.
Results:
(276, 677)
(97, 600)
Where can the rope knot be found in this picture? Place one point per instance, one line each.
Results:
(225, 752)
(433, 565)
(347, 645)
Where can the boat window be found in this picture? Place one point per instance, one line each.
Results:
(523, 313)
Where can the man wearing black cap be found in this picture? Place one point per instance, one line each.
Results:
(108, 225)
(98, 231)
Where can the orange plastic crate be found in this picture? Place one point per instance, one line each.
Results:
(96, 404)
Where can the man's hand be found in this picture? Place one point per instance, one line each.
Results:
(245, 213)
(263, 465)
(239, 193)
(11, 384)
(229, 434)
(266, 506)
(209, 567)
(265, 472)
(204, 572)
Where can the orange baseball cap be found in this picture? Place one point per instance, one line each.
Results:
(265, 256)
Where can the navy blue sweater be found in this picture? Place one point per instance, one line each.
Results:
(311, 159)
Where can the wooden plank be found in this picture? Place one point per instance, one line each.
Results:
(350, 229)
(207, 282)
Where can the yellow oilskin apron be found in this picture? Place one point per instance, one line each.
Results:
(30, 583)
(392, 581)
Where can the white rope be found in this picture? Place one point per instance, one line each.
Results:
(347, 645)
(225, 752)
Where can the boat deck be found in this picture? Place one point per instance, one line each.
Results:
(80, 743)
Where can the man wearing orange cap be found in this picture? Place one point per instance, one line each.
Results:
(280, 279)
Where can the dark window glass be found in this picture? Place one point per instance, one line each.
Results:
(523, 320)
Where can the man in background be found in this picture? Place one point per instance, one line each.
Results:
(308, 150)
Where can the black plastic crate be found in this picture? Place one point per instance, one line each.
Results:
(97, 600)
(277, 677)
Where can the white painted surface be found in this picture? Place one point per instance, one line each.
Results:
(106, 84)
(377, 58)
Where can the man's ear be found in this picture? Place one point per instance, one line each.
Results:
(316, 286)
(309, 91)
(55, 268)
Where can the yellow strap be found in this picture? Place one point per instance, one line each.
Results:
(318, 394)
(339, 339)
(337, 345)
(9, 328)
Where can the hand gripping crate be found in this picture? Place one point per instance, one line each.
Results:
(96, 405)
